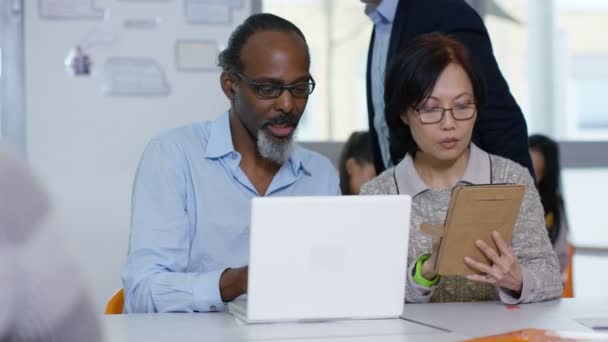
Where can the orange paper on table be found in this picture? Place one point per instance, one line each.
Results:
(515, 336)
(541, 335)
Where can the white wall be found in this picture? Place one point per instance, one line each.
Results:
(85, 145)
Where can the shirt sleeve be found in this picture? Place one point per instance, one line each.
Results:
(527, 289)
(154, 276)
(334, 182)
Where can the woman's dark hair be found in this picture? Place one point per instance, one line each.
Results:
(230, 59)
(410, 78)
(358, 146)
(549, 185)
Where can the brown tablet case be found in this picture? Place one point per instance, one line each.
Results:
(474, 212)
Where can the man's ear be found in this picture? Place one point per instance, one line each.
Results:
(227, 83)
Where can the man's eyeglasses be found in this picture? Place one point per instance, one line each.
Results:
(272, 90)
(431, 115)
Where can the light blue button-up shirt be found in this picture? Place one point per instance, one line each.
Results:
(190, 215)
(383, 16)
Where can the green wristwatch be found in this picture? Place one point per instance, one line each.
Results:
(417, 274)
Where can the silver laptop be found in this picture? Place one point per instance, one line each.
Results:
(326, 258)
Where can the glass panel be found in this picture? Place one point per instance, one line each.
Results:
(591, 105)
(574, 86)
(589, 278)
(585, 197)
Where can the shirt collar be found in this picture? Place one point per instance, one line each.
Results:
(478, 171)
(479, 167)
(220, 144)
(296, 161)
(384, 13)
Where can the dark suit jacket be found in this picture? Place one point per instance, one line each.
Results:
(501, 128)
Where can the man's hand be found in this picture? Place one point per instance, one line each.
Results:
(233, 283)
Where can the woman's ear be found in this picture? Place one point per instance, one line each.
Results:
(351, 166)
(405, 118)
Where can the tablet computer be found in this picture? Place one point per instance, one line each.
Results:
(474, 212)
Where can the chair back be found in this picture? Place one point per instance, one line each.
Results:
(569, 281)
(116, 303)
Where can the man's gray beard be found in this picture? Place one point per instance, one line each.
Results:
(276, 150)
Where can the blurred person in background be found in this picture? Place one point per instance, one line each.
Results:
(356, 163)
(545, 158)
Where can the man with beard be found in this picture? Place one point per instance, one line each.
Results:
(189, 243)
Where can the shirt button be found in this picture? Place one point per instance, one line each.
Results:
(212, 307)
(233, 156)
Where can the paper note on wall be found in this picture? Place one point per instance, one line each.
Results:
(134, 77)
(69, 9)
(142, 23)
(196, 55)
(205, 12)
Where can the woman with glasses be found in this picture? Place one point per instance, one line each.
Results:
(432, 95)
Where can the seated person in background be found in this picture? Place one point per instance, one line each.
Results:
(433, 92)
(189, 242)
(545, 158)
(356, 163)
(42, 294)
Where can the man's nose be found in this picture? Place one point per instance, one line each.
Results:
(285, 102)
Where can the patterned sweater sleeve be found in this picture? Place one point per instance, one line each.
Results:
(531, 245)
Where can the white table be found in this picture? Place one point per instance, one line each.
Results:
(224, 327)
(481, 319)
(423, 322)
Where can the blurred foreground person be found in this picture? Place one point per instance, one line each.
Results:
(42, 296)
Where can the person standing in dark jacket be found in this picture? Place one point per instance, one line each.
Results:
(501, 129)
